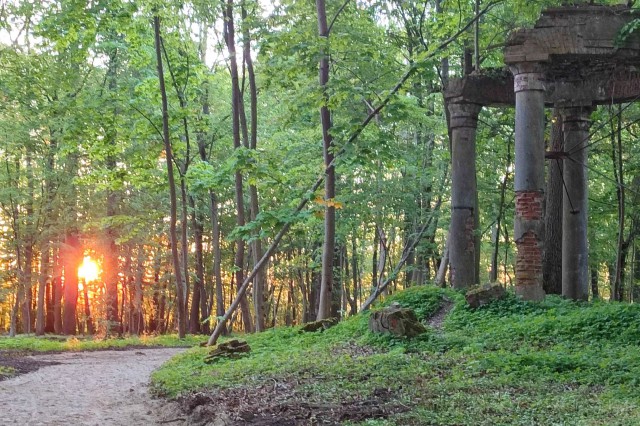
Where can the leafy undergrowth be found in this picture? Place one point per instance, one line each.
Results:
(54, 343)
(509, 363)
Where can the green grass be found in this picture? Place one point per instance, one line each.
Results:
(63, 344)
(6, 372)
(509, 363)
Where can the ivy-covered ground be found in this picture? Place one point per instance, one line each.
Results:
(509, 363)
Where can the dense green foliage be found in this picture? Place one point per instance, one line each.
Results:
(509, 363)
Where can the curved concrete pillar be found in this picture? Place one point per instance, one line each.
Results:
(529, 179)
(575, 268)
(462, 245)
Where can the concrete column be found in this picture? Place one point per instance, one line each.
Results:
(529, 179)
(575, 268)
(462, 245)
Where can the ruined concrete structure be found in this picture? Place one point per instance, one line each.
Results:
(569, 61)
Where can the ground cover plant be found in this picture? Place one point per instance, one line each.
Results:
(509, 363)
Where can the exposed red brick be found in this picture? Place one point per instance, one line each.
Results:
(529, 204)
(529, 259)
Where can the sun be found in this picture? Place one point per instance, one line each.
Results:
(89, 270)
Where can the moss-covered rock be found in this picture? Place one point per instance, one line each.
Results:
(484, 294)
(233, 349)
(396, 320)
(321, 325)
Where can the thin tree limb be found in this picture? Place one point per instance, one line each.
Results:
(335, 17)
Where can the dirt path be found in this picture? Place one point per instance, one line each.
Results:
(86, 388)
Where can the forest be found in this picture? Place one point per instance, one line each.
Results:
(163, 160)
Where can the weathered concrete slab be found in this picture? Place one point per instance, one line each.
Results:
(576, 47)
(574, 31)
(495, 89)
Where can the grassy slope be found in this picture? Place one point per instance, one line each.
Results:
(511, 363)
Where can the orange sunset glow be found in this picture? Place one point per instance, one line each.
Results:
(89, 270)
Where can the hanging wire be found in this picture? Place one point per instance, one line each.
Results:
(578, 146)
(602, 175)
(576, 149)
(566, 190)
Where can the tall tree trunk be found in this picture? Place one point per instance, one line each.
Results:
(42, 286)
(181, 317)
(26, 286)
(137, 317)
(201, 136)
(184, 198)
(616, 156)
(110, 250)
(198, 286)
(356, 275)
(87, 308)
(184, 238)
(240, 215)
(53, 304)
(71, 255)
(259, 283)
(56, 282)
(552, 262)
(328, 247)
(155, 317)
(49, 317)
(595, 293)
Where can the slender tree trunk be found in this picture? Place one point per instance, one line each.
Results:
(259, 283)
(217, 261)
(42, 286)
(240, 214)
(198, 285)
(87, 308)
(184, 198)
(110, 250)
(49, 319)
(374, 258)
(552, 262)
(206, 303)
(328, 247)
(616, 156)
(71, 257)
(595, 293)
(56, 283)
(48, 244)
(182, 320)
(27, 274)
(184, 239)
(137, 320)
(155, 318)
(356, 275)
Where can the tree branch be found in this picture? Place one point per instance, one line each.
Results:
(335, 17)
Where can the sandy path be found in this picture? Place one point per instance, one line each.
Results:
(87, 388)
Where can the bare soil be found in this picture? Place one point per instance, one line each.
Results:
(84, 388)
(283, 403)
(437, 320)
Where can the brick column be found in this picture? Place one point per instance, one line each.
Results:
(462, 246)
(529, 179)
(575, 268)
